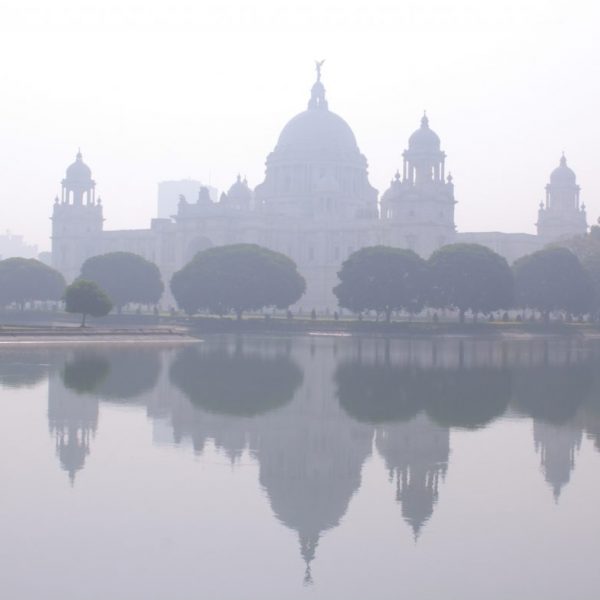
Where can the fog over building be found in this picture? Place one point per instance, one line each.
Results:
(315, 205)
(15, 245)
(169, 193)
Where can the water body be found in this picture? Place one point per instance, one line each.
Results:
(301, 467)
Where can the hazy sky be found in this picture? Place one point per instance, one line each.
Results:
(201, 89)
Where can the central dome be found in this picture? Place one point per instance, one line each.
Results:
(317, 129)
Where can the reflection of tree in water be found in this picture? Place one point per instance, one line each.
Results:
(414, 449)
(380, 393)
(73, 397)
(84, 374)
(24, 368)
(118, 374)
(469, 398)
(133, 372)
(552, 395)
(234, 382)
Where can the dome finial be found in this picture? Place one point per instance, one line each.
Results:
(424, 120)
(563, 158)
(317, 93)
(79, 156)
(318, 67)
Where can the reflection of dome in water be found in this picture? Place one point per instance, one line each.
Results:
(416, 455)
(73, 420)
(311, 456)
(557, 445)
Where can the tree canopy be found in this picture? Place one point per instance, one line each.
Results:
(237, 278)
(86, 298)
(587, 249)
(470, 277)
(552, 279)
(238, 383)
(27, 279)
(125, 277)
(120, 374)
(383, 279)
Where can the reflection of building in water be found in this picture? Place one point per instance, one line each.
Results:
(557, 445)
(416, 455)
(276, 399)
(72, 419)
(311, 453)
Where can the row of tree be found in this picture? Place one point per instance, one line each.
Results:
(247, 277)
(464, 277)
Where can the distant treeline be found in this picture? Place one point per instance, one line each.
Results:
(238, 278)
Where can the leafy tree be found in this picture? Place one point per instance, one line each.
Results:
(26, 280)
(84, 374)
(383, 279)
(237, 278)
(86, 298)
(587, 249)
(470, 277)
(468, 397)
(238, 383)
(125, 277)
(381, 393)
(552, 279)
(553, 393)
(119, 375)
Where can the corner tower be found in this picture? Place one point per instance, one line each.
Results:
(76, 220)
(561, 215)
(419, 204)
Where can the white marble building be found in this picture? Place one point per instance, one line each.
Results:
(315, 204)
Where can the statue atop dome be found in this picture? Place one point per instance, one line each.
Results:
(318, 66)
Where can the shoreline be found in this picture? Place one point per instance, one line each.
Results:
(190, 331)
(59, 335)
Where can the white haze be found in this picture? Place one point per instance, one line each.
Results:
(167, 90)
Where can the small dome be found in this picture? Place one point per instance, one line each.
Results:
(240, 189)
(424, 139)
(239, 194)
(79, 171)
(563, 175)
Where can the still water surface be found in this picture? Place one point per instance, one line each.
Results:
(266, 468)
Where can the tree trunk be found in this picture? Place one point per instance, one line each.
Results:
(388, 315)
(239, 314)
(461, 316)
(83, 316)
